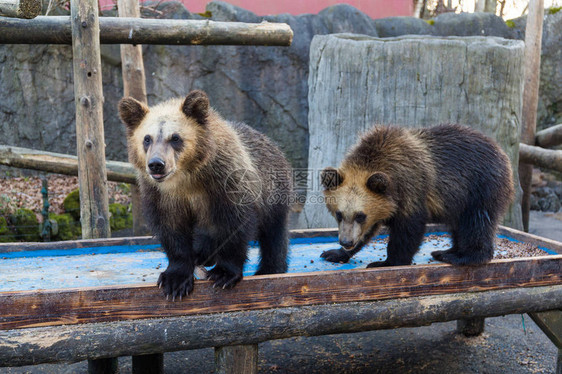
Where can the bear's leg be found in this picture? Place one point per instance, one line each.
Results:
(231, 255)
(274, 243)
(475, 239)
(406, 234)
(177, 280)
(438, 255)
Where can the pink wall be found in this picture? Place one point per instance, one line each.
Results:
(373, 8)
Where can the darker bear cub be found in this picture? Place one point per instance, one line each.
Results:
(208, 187)
(404, 178)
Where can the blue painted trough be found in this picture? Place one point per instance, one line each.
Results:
(92, 299)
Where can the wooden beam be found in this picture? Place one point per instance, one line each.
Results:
(22, 309)
(20, 8)
(134, 85)
(236, 359)
(72, 343)
(60, 163)
(549, 137)
(121, 30)
(532, 62)
(544, 158)
(88, 96)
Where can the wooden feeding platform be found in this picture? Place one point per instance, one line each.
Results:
(92, 299)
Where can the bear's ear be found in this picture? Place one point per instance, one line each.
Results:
(378, 183)
(196, 106)
(131, 112)
(331, 178)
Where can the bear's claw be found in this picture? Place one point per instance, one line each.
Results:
(175, 284)
(223, 278)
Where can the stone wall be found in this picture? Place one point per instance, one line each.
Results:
(266, 87)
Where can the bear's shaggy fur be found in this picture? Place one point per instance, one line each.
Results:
(404, 178)
(208, 187)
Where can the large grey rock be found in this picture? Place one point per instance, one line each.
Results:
(397, 26)
(417, 81)
(471, 24)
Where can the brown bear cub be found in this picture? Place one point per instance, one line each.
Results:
(404, 178)
(208, 187)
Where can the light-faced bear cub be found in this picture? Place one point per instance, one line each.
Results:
(208, 187)
(404, 178)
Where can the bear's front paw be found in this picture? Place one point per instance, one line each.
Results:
(378, 264)
(224, 278)
(175, 283)
(336, 255)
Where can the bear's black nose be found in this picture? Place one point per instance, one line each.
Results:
(156, 165)
(346, 243)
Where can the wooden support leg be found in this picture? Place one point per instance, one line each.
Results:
(551, 324)
(237, 359)
(471, 326)
(103, 366)
(148, 364)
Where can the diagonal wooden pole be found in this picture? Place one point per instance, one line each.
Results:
(533, 40)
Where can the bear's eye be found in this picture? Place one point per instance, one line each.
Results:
(147, 140)
(175, 138)
(339, 217)
(360, 217)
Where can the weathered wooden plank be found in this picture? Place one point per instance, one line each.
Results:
(60, 163)
(20, 8)
(532, 62)
(23, 309)
(531, 239)
(122, 30)
(88, 95)
(134, 85)
(236, 359)
(82, 243)
(544, 158)
(73, 343)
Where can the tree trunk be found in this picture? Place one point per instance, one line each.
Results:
(357, 81)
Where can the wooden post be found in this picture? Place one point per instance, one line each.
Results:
(471, 326)
(532, 61)
(134, 84)
(88, 94)
(20, 8)
(236, 359)
(148, 364)
(551, 324)
(103, 366)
